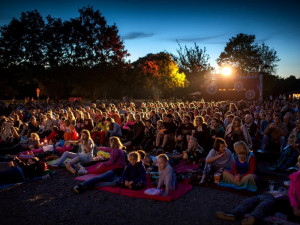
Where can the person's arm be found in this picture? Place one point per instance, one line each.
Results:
(124, 175)
(87, 147)
(105, 149)
(112, 159)
(214, 158)
(168, 180)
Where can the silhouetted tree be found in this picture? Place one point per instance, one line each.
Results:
(245, 55)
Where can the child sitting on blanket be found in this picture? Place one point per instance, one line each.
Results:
(134, 175)
(194, 151)
(167, 177)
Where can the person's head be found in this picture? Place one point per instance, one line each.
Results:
(67, 123)
(241, 149)
(268, 117)
(130, 117)
(248, 119)
(186, 120)
(85, 135)
(169, 118)
(199, 120)
(148, 160)
(142, 154)
(215, 122)
(110, 121)
(134, 158)
(256, 115)
(34, 137)
(148, 123)
(137, 117)
(162, 161)
(220, 145)
(32, 119)
(52, 142)
(287, 119)
(115, 142)
(236, 122)
(276, 118)
(160, 123)
(193, 142)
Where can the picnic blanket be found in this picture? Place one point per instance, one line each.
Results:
(182, 167)
(45, 174)
(182, 188)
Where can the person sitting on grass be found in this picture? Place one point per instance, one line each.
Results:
(19, 171)
(242, 175)
(194, 151)
(289, 154)
(261, 206)
(167, 176)
(134, 175)
(85, 155)
(218, 159)
(111, 177)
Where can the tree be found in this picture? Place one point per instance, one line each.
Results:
(192, 60)
(194, 63)
(158, 73)
(81, 53)
(245, 55)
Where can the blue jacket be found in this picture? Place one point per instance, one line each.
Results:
(135, 173)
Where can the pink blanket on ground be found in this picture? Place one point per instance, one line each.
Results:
(182, 188)
(93, 169)
(182, 167)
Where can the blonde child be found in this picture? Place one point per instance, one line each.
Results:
(134, 175)
(167, 176)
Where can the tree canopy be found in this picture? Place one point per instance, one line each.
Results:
(158, 73)
(246, 55)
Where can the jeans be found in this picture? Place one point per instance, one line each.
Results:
(108, 178)
(75, 158)
(259, 206)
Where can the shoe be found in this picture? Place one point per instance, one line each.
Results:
(82, 172)
(249, 220)
(70, 168)
(225, 216)
(78, 189)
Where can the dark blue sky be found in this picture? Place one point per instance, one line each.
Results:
(154, 26)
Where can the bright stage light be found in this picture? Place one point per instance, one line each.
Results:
(226, 71)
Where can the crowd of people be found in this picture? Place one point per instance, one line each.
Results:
(121, 140)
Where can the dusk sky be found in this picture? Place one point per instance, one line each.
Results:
(154, 26)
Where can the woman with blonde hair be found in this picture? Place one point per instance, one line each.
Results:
(85, 155)
(114, 167)
(242, 175)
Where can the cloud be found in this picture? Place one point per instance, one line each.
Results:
(197, 39)
(137, 35)
(267, 38)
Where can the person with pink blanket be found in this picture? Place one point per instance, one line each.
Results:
(111, 177)
(115, 161)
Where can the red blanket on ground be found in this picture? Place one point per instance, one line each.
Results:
(93, 169)
(182, 167)
(182, 188)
